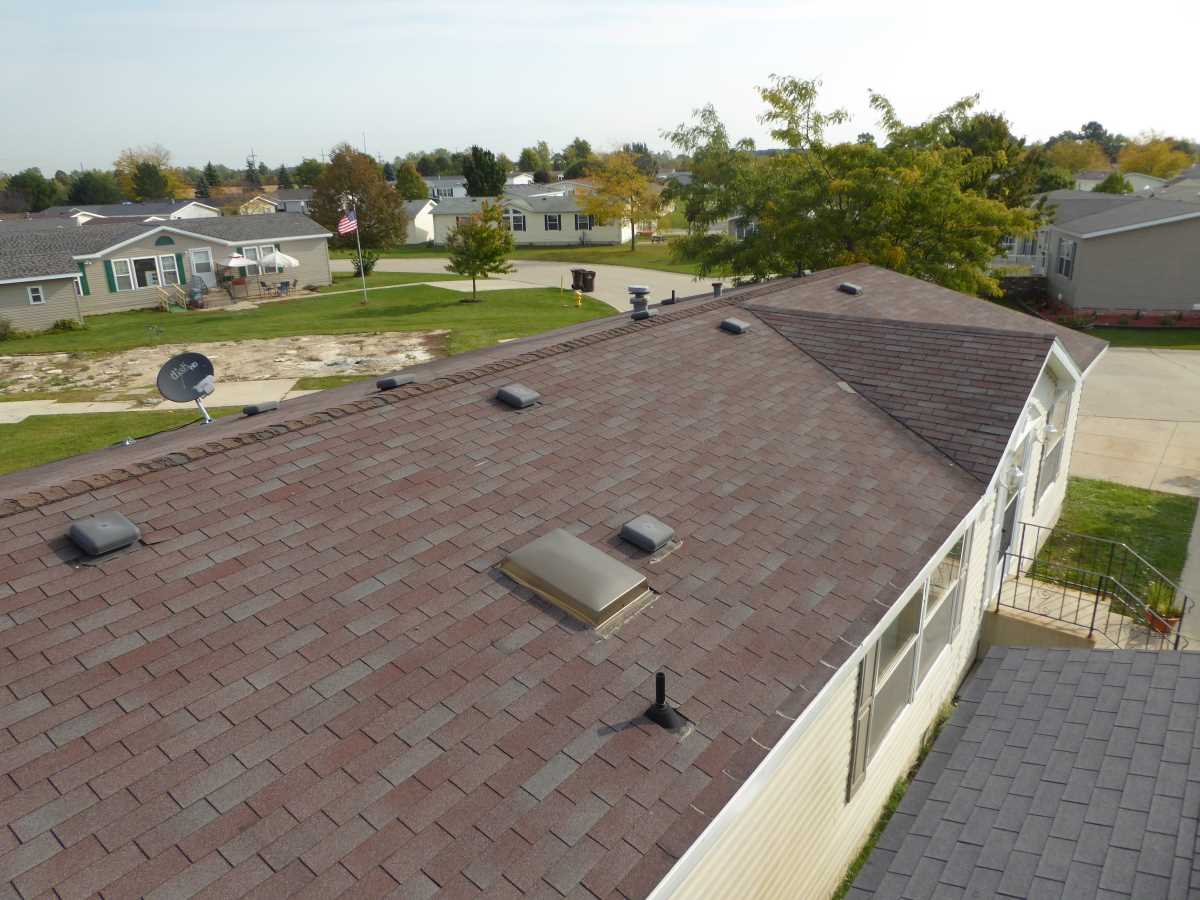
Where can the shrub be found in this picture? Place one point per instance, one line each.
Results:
(1166, 322)
(365, 264)
(1161, 598)
(1124, 320)
(67, 325)
(5, 328)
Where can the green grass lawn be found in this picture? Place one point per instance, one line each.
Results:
(321, 382)
(1166, 338)
(502, 314)
(1154, 524)
(647, 255)
(43, 439)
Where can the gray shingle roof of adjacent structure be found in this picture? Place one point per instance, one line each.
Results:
(962, 389)
(1066, 206)
(1064, 774)
(131, 210)
(1143, 212)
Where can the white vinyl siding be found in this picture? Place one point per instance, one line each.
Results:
(36, 296)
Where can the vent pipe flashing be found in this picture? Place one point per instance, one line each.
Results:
(660, 713)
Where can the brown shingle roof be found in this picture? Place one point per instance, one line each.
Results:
(311, 673)
(962, 389)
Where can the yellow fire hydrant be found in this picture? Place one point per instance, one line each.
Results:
(579, 298)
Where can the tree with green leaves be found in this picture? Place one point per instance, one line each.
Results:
(94, 186)
(409, 183)
(353, 180)
(251, 177)
(536, 157)
(31, 191)
(1077, 156)
(1115, 183)
(389, 172)
(283, 178)
(211, 175)
(149, 182)
(542, 176)
(484, 173)
(577, 152)
(203, 192)
(480, 246)
(1154, 155)
(621, 193)
(264, 172)
(307, 172)
(642, 158)
(907, 205)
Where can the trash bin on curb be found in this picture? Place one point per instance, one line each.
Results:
(577, 279)
(589, 280)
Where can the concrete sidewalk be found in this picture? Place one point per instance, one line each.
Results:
(1139, 421)
(611, 281)
(231, 393)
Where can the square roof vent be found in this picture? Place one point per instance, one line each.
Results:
(103, 533)
(518, 396)
(576, 577)
(735, 326)
(647, 533)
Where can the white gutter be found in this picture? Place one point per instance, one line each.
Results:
(24, 280)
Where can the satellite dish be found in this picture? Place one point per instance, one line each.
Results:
(187, 377)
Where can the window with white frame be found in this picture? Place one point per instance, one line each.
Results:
(943, 605)
(553, 222)
(440, 193)
(251, 253)
(513, 220)
(145, 271)
(122, 274)
(170, 272)
(1029, 245)
(1052, 446)
(743, 228)
(1066, 257)
(36, 296)
(1008, 245)
(894, 667)
(584, 223)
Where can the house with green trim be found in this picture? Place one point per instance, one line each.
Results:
(51, 269)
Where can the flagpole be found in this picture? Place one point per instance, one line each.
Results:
(362, 268)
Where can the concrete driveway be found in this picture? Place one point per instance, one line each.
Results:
(1139, 421)
(611, 281)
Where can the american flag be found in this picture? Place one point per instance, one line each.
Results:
(348, 223)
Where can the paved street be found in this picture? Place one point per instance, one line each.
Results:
(611, 281)
(1139, 422)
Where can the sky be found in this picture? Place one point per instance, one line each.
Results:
(215, 80)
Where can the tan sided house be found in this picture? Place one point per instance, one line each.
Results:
(52, 270)
(406, 642)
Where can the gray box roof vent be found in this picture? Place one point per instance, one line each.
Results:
(847, 288)
(647, 533)
(735, 326)
(103, 533)
(255, 409)
(518, 396)
(393, 381)
(575, 576)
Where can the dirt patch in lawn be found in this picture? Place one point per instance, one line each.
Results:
(132, 372)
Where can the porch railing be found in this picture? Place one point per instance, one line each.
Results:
(1104, 587)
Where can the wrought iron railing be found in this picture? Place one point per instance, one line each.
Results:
(1103, 586)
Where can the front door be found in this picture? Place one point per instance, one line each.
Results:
(202, 266)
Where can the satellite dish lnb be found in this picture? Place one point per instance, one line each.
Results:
(186, 378)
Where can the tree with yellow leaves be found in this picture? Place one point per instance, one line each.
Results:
(621, 192)
(1077, 156)
(1153, 155)
(125, 169)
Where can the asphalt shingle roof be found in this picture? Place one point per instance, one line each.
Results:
(311, 673)
(148, 208)
(1145, 211)
(1068, 205)
(961, 389)
(1065, 774)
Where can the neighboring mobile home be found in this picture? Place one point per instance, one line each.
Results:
(354, 636)
(420, 221)
(51, 271)
(537, 215)
(148, 211)
(287, 200)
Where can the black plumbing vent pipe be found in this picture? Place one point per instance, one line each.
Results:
(660, 713)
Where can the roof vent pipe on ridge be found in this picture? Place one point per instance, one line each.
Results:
(639, 299)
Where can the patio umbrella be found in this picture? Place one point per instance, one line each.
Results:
(280, 260)
(234, 261)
